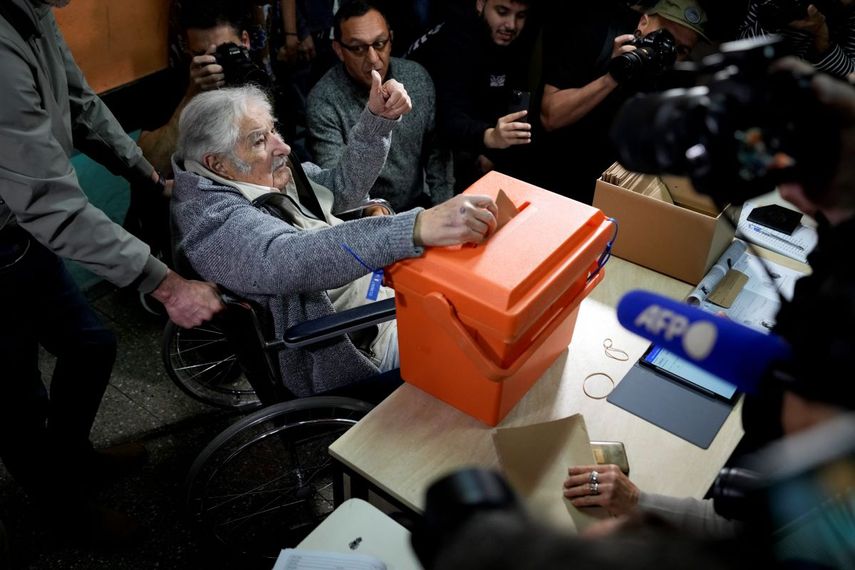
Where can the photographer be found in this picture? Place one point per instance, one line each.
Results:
(581, 96)
(808, 399)
(205, 25)
(822, 33)
(216, 43)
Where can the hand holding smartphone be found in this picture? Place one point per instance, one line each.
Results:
(520, 101)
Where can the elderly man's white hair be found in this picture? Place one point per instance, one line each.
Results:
(210, 123)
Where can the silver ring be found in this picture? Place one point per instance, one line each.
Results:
(594, 488)
(594, 477)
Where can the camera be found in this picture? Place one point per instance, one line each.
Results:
(238, 67)
(776, 14)
(654, 54)
(453, 501)
(739, 132)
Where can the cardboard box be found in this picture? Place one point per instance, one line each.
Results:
(667, 238)
(478, 326)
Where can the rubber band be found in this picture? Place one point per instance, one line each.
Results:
(591, 375)
(615, 353)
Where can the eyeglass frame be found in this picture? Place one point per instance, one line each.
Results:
(361, 50)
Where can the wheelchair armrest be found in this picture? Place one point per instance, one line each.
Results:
(331, 326)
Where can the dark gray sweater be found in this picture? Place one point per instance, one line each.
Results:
(415, 164)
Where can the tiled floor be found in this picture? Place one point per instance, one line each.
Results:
(141, 404)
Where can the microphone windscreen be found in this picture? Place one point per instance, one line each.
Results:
(735, 353)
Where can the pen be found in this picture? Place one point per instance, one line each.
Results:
(761, 231)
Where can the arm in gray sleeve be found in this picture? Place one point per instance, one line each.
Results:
(40, 188)
(693, 515)
(358, 163)
(251, 252)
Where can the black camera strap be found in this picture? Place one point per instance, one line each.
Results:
(304, 189)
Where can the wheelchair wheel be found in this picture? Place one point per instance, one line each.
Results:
(266, 481)
(201, 362)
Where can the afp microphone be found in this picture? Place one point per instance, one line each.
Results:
(733, 352)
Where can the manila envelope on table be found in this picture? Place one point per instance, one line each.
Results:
(535, 459)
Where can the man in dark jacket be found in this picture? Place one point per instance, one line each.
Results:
(580, 95)
(479, 63)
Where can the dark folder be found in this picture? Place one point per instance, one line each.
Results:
(671, 405)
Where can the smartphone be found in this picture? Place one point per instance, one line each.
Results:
(520, 101)
(611, 453)
(776, 217)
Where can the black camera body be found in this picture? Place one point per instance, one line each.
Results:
(238, 67)
(776, 14)
(739, 132)
(654, 54)
(454, 500)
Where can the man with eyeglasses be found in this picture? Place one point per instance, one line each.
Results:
(581, 97)
(417, 171)
(479, 59)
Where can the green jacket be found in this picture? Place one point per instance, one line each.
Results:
(47, 110)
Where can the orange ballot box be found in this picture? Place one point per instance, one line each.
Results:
(478, 325)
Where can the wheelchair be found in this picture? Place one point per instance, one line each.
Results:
(204, 365)
(267, 480)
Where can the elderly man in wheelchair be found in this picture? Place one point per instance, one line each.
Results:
(259, 224)
(263, 226)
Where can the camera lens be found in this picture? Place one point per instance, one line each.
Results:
(655, 53)
(238, 68)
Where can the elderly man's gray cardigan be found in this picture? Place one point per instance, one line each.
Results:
(287, 270)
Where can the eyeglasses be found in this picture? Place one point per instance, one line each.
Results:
(362, 49)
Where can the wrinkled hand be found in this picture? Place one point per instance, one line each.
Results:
(205, 73)
(462, 219)
(617, 494)
(509, 131)
(389, 100)
(188, 303)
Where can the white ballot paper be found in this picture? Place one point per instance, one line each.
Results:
(293, 559)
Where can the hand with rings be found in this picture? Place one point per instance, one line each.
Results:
(601, 485)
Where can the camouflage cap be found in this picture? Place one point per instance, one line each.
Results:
(687, 13)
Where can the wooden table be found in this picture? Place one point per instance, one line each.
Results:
(411, 438)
